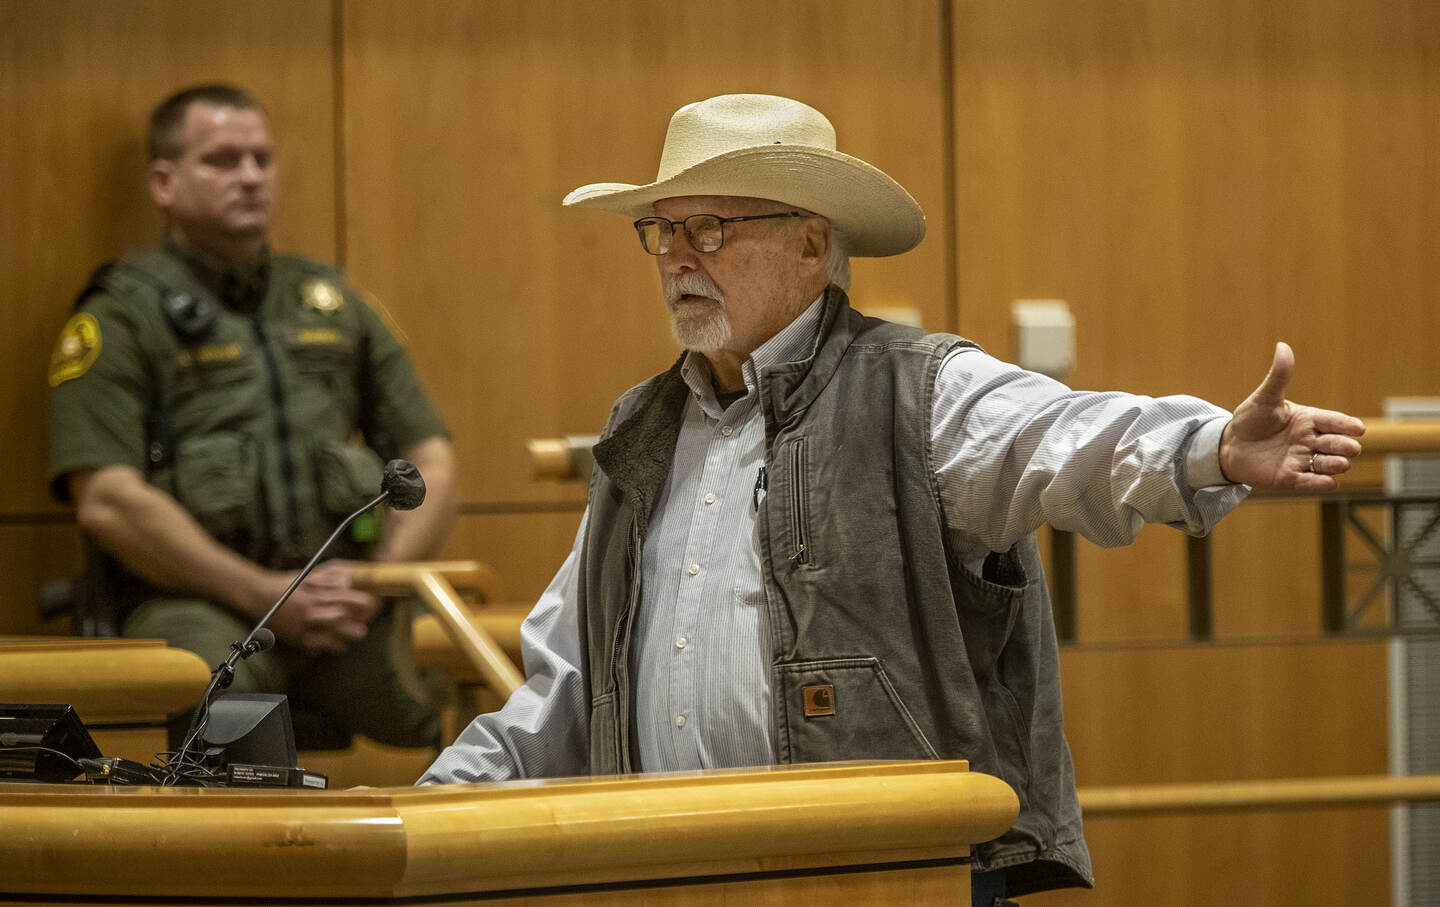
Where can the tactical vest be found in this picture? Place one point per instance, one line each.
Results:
(252, 416)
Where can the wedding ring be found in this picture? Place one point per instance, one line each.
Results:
(1311, 466)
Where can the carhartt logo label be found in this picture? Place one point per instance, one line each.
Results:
(819, 700)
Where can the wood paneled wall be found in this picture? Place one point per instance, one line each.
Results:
(1197, 180)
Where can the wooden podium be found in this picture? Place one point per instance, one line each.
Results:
(878, 832)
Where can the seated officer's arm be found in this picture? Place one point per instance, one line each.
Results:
(157, 539)
(417, 534)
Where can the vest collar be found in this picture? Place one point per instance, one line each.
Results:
(788, 388)
(637, 455)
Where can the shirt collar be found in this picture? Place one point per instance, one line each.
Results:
(241, 292)
(790, 343)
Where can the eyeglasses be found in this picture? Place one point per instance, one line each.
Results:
(706, 232)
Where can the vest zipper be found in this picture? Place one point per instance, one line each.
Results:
(282, 437)
(799, 520)
(618, 657)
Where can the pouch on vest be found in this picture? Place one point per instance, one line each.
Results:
(348, 475)
(863, 715)
(217, 478)
(988, 606)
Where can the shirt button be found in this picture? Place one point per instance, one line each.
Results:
(710, 498)
(679, 720)
(727, 430)
(681, 642)
(693, 569)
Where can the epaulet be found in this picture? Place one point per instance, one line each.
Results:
(113, 275)
(96, 282)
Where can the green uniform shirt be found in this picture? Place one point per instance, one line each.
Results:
(253, 423)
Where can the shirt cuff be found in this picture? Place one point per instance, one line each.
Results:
(1202, 459)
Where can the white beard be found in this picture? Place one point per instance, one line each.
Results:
(697, 320)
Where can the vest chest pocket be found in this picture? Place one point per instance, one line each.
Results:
(217, 479)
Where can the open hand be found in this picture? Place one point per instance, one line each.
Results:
(1274, 443)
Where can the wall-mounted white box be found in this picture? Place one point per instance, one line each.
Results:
(1044, 336)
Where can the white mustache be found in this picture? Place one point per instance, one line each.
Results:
(692, 283)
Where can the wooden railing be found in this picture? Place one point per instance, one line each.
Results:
(566, 459)
(1401, 436)
(1284, 793)
(432, 583)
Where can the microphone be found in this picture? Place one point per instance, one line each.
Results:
(403, 488)
(402, 482)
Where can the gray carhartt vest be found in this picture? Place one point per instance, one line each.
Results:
(900, 652)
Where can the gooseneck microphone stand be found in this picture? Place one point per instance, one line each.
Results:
(182, 763)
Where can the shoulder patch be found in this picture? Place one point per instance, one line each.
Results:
(76, 350)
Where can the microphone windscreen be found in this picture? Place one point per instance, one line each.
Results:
(403, 484)
(262, 639)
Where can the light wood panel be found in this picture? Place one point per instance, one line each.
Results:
(1160, 714)
(525, 548)
(1201, 180)
(1294, 858)
(1132, 593)
(1266, 575)
(465, 124)
(1202, 713)
(30, 556)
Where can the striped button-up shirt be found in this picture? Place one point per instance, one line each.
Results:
(1014, 449)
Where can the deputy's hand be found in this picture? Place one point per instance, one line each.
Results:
(325, 613)
(1273, 443)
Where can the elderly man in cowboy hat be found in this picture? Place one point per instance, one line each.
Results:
(812, 538)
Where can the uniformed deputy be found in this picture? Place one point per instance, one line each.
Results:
(207, 401)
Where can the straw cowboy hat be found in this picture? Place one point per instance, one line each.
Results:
(764, 146)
